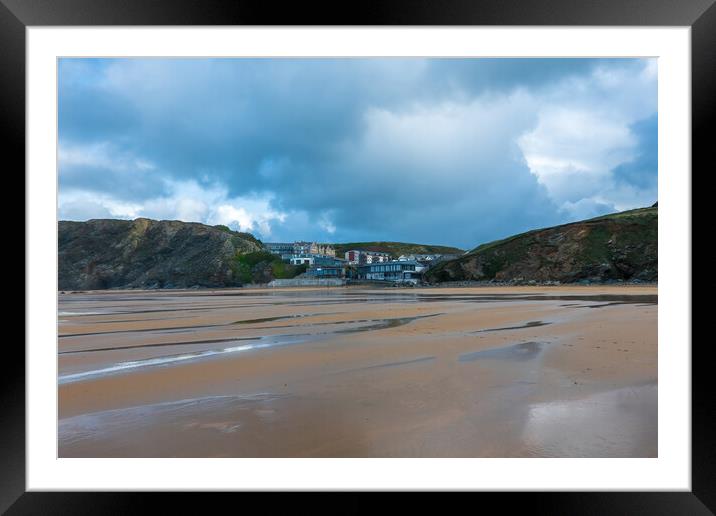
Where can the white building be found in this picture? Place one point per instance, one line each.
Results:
(395, 271)
(427, 258)
(302, 259)
(360, 257)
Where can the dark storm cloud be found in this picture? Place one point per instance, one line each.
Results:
(331, 149)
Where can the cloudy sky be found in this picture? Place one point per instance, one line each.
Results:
(440, 151)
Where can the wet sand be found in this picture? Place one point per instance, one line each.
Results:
(357, 372)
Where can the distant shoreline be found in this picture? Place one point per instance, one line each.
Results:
(447, 285)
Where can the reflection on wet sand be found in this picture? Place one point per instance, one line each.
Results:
(520, 351)
(480, 372)
(618, 423)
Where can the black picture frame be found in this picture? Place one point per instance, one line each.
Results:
(700, 15)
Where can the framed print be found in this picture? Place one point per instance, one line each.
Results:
(415, 250)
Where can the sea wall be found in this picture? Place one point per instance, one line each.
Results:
(308, 282)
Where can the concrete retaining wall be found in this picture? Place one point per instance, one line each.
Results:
(308, 282)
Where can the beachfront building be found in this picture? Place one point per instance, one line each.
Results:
(291, 252)
(326, 250)
(360, 257)
(305, 248)
(418, 257)
(397, 271)
(326, 271)
(427, 259)
(317, 260)
(282, 248)
(352, 257)
(302, 259)
(376, 257)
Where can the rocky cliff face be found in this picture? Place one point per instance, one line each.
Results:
(144, 253)
(622, 246)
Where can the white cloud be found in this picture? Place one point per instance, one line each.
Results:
(77, 204)
(182, 200)
(187, 200)
(584, 131)
(568, 140)
(325, 223)
(100, 155)
(430, 148)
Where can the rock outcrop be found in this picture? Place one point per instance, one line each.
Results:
(145, 253)
(617, 247)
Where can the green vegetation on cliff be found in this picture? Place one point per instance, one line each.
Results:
(262, 267)
(396, 248)
(620, 246)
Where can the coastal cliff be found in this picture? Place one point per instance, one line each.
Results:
(618, 247)
(144, 253)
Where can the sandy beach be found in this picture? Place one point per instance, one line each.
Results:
(359, 372)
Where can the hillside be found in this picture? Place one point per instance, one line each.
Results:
(396, 248)
(620, 246)
(144, 253)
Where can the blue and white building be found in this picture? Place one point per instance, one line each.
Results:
(317, 259)
(405, 271)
